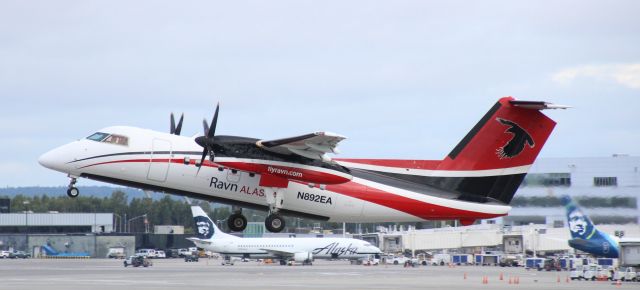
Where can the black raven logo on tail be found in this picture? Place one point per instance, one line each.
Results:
(515, 145)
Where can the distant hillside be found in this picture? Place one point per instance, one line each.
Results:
(97, 191)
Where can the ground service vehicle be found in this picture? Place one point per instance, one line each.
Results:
(626, 274)
(137, 261)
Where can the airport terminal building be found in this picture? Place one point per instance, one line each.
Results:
(606, 187)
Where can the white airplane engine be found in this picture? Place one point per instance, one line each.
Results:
(303, 257)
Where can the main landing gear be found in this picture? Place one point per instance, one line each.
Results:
(274, 222)
(72, 191)
(236, 221)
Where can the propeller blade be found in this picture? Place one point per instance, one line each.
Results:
(205, 125)
(178, 128)
(214, 122)
(207, 140)
(172, 128)
(204, 155)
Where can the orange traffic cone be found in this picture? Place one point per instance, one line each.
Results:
(558, 280)
(465, 275)
(567, 280)
(501, 276)
(510, 281)
(517, 280)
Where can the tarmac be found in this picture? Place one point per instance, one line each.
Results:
(97, 274)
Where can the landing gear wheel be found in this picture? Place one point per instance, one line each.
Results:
(73, 192)
(237, 222)
(274, 223)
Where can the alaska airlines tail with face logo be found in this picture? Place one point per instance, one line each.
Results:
(584, 234)
(206, 229)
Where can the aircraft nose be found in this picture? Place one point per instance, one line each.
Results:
(55, 159)
(49, 160)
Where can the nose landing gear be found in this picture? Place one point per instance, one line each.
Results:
(73, 191)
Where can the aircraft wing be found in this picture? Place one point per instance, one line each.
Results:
(314, 145)
(279, 253)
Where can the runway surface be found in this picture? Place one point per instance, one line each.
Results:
(98, 274)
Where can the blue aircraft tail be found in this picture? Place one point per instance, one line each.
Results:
(584, 234)
(580, 226)
(49, 250)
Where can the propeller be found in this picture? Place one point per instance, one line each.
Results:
(176, 129)
(208, 140)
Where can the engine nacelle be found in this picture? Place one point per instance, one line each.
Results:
(303, 257)
(308, 174)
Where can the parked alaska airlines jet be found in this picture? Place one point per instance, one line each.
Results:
(294, 176)
(302, 250)
(584, 234)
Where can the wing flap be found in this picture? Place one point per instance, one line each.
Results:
(279, 253)
(313, 146)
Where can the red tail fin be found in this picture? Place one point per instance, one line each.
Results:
(510, 135)
(494, 157)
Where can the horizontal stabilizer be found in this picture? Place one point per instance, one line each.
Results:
(536, 105)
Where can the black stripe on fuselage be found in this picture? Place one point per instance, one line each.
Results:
(197, 153)
(484, 189)
(467, 138)
(209, 198)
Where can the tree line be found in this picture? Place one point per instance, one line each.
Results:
(163, 211)
(167, 210)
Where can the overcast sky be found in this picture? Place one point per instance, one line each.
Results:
(400, 79)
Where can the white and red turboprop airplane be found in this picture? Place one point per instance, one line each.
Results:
(294, 176)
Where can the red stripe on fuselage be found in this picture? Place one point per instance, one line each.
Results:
(162, 160)
(411, 206)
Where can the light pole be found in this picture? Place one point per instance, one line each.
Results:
(117, 225)
(26, 223)
(132, 219)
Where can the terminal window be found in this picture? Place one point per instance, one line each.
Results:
(547, 179)
(605, 181)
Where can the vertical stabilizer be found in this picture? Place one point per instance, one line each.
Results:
(205, 228)
(584, 234)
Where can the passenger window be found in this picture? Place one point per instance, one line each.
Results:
(98, 136)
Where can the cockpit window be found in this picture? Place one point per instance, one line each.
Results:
(117, 139)
(98, 136)
(109, 138)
